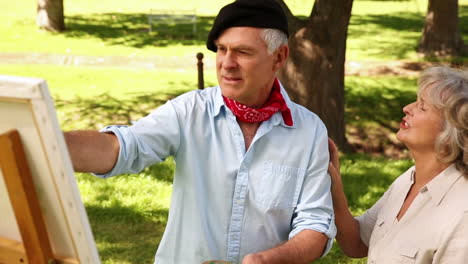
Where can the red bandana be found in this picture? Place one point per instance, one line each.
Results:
(253, 115)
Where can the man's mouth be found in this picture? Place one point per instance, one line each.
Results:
(230, 79)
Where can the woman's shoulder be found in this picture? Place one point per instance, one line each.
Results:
(456, 197)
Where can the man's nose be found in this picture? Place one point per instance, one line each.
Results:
(229, 60)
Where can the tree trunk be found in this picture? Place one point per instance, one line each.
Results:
(314, 72)
(441, 34)
(50, 15)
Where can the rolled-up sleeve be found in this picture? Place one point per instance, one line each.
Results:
(314, 210)
(150, 140)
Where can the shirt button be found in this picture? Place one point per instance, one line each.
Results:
(239, 201)
(424, 189)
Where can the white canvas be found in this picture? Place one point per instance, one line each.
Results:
(26, 105)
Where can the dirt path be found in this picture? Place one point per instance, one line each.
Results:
(98, 61)
(359, 68)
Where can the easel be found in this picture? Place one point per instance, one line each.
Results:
(36, 247)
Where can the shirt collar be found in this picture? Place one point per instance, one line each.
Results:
(442, 183)
(276, 118)
(218, 101)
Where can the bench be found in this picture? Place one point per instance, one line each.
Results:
(172, 17)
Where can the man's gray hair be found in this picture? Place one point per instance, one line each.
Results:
(274, 39)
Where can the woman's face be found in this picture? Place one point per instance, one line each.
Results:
(421, 125)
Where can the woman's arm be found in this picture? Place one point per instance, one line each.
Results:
(348, 235)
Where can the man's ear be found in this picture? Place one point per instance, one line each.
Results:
(281, 55)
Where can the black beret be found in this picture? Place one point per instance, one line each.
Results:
(248, 13)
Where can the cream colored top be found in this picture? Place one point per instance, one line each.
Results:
(434, 229)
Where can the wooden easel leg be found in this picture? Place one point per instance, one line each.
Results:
(23, 197)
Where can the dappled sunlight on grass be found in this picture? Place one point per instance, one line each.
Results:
(127, 213)
(132, 29)
(96, 113)
(378, 99)
(379, 30)
(373, 112)
(375, 7)
(120, 232)
(70, 82)
(140, 191)
(387, 37)
(365, 179)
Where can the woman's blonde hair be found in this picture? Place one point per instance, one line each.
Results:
(447, 89)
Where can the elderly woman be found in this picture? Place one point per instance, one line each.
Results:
(423, 216)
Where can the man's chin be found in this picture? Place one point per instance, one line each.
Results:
(229, 96)
(229, 91)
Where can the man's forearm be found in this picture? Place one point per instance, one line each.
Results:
(92, 151)
(303, 248)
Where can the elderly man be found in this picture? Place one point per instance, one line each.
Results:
(251, 183)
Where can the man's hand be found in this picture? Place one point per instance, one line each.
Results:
(304, 248)
(253, 259)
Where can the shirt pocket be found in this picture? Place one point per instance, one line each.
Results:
(407, 255)
(280, 186)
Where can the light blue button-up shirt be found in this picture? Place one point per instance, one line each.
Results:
(227, 201)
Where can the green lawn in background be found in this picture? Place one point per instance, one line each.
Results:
(128, 213)
(379, 30)
(68, 82)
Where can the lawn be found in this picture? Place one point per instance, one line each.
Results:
(379, 30)
(128, 213)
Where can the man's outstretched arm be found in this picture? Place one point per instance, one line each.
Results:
(92, 151)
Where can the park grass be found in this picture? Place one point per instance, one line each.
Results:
(67, 82)
(379, 30)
